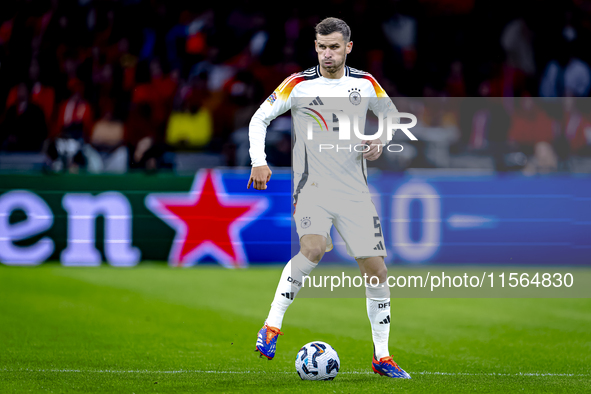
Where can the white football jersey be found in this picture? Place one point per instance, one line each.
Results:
(315, 104)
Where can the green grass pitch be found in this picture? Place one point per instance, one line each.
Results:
(157, 329)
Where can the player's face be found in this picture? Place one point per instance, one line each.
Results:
(332, 51)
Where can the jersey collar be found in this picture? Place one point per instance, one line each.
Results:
(347, 71)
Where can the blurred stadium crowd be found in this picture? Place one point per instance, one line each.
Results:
(117, 85)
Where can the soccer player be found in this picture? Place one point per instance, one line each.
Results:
(330, 187)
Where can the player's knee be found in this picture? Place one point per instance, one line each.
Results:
(313, 247)
(313, 253)
(382, 273)
(376, 268)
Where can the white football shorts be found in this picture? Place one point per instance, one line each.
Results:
(356, 221)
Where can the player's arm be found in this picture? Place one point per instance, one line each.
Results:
(275, 105)
(381, 105)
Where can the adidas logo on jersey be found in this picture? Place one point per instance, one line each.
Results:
(289, 295)
(317, 101)
(379, 246)
(335, 119)
(386, 320)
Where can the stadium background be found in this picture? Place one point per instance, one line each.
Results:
(114, 111)
(161, 91)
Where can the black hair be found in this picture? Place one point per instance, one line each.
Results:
(331, 25)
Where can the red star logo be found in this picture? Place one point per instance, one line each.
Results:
(207, 221)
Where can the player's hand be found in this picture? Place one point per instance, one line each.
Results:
(375, 149)
(259, 176)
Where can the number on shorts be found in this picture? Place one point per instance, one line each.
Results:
(376, 224)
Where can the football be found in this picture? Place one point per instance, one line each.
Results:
(317, 361)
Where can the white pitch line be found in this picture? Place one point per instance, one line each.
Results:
(533, 374)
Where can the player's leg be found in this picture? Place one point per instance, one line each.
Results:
(290, 283)
(377, 301)
(312, 247)
(377, 295)
(359, 225)
(313, 224)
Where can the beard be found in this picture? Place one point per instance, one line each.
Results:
(334, 67)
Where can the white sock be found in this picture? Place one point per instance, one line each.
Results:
(378, 311)
(288, 287)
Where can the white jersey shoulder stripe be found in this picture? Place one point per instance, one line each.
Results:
(359, 72)
(313, 71)
(307, 73)
(286, 81)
